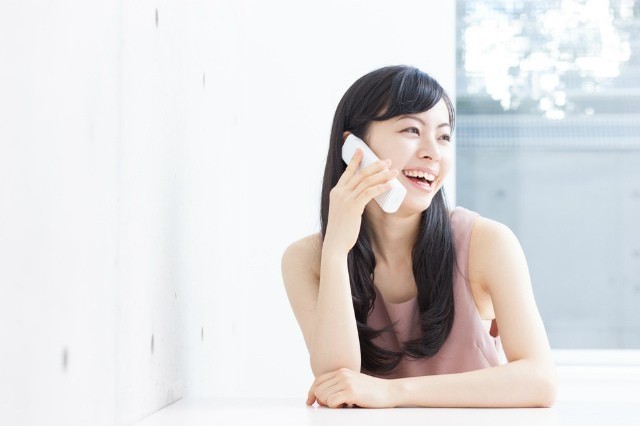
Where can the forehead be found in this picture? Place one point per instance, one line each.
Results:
(433, 117)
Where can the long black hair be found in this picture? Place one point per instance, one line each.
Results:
(395, 90)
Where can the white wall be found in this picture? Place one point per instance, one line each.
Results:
(58, 195)
(151, 176)
(301, 59)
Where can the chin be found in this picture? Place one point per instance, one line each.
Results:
(415, 205)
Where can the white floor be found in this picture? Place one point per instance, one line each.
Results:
(596, 388)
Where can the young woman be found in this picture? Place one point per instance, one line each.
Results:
(404, 309)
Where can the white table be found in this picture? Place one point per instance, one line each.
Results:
(219, 412)
(595, 390)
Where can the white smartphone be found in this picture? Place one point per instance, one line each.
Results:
(390, 200)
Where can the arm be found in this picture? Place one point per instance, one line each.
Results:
(325, 310)
(521, 383)
(497, 262)
(321, 301)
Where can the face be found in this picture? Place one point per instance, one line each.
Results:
(419, 146)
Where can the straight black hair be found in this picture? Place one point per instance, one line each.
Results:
(377, 96)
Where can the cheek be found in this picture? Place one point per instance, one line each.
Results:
(381, 150)
(446, 161)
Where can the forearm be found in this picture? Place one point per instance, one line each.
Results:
(521, 383)
(335, 341)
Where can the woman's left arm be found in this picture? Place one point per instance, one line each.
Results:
(497, 262)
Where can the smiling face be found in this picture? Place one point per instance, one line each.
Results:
(419, 145)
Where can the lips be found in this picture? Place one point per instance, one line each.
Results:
(421, 177)
(422, 172)
(421, 184)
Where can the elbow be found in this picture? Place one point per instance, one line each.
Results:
(547, 388)
(320, 368)
(323, 362)
(551, 391)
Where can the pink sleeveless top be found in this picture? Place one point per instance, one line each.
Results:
(469, 346)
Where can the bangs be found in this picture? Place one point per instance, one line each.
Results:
(413, 91)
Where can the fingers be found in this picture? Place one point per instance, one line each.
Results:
(372, 181)
(352, 168)
(351, 177)
(369, 182)
(327, 388)
(368, 172)
(337, 400)
(320, 386)
(317, 391)
(311, 399)
(327, 403)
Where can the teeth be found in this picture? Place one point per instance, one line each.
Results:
(413, 173)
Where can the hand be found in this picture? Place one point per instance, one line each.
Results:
(346, 388)
(347, 200)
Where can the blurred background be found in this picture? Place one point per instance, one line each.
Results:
(157, 157)
(548, 98)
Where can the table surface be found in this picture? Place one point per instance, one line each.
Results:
(588, 394)
(261, 411)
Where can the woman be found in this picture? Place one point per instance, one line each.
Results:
(403, 309)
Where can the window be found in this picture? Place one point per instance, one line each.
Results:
(548, 142)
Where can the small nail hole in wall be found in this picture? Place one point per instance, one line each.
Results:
(202, 334)
(175, 295)
(152, 344)
(65, 359)
(156, 18)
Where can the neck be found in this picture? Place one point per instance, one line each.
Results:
(392, 235)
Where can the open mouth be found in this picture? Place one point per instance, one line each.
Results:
(421, 180)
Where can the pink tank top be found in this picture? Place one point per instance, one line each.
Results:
(469, 346)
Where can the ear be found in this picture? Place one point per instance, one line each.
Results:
(345, 135)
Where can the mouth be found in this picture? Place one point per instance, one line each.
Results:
(423, 181)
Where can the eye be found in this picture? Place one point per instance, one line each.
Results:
(446, 137)
(417, 131)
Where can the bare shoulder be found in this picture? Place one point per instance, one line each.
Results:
(497, 261)
(489, 230)
(493, 246)
(304, 253)
(301, 277)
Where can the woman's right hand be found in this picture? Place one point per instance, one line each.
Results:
(347, 200)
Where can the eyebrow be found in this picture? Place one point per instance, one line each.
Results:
(421, 121)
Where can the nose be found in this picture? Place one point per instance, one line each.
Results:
(429, 148)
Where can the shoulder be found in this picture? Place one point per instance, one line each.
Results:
(462, 220)
(303, 254)
(301, 277)
(491, 231)
(483, 229)
(494, 250)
